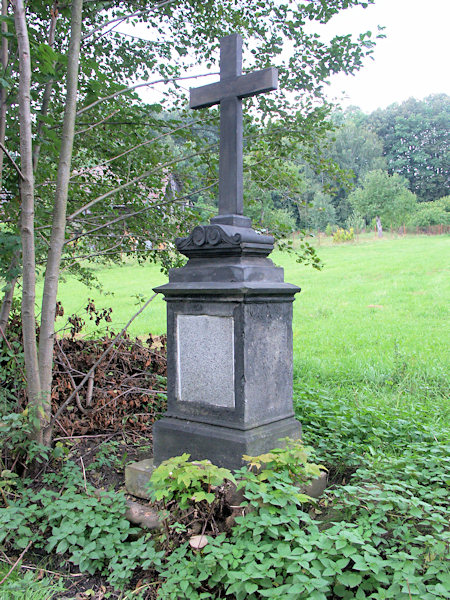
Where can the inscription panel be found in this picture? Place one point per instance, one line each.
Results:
(205, 360)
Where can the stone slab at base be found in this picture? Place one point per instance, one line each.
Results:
(137, 477)
(317, 486)
(223, 446)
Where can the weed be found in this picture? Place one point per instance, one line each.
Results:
(29, 586)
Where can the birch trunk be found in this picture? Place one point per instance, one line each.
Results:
(9, 293)
(46, 338)
(47, 91)
(8, 297)
(3, 92)
(27, 212)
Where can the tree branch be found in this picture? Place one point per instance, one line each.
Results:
(47, 90)
(137, 179)
(99, 360)
(98, 123)
(3, 94)
(137, 13)
(139, 85)
(2, 146)
(138, 212)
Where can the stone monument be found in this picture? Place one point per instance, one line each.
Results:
(229, 312)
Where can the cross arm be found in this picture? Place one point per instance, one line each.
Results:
(243, 86)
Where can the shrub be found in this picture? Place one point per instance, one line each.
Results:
(356, 222)
(431, 213)
(90, 530)
(343, 235)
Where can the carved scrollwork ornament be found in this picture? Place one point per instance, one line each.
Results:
(199, 236)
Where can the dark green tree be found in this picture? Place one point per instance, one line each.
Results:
(416, 143)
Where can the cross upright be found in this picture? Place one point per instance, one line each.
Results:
(233, 86)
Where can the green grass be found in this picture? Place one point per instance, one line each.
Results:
(371, 327)
(374, 305)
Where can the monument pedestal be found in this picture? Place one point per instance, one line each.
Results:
(229, 349)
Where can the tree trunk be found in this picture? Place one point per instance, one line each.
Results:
(46, 338)
(27, 213)
(5, 308)
(3, 92)
(9, 293)
(379, 227)
(47, 91)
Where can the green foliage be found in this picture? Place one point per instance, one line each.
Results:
(159, 145)
(9, 246)
(385, 196)
(330, 229)
(87, 528)
(382, 536)
(343, 235)
(183, 481)
(16, 440)
(30, 586)
(322, 212)
(106, 456)
(431, 213)
(355, 222)
(254, 557)
(292, 459)
(416, 143)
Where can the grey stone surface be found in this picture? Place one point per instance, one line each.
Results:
(267, 342)
(317, 486)
(205, 359)
(223, 446)
(137, 476)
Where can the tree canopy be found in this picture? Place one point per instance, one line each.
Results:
(416, 143)
(384, 196)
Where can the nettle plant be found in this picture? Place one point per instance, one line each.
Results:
(382, 536)
(68, 517)
(180, 480)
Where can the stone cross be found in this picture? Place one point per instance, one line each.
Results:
(229, 311)
(233, 86)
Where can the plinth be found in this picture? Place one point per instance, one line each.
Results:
(229, 348)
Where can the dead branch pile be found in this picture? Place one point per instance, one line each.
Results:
(125, 391)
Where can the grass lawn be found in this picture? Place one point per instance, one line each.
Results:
(377, 309)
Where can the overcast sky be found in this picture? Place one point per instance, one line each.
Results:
(413, 60)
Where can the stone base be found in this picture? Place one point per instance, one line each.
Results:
(223, 446)
(137, 476)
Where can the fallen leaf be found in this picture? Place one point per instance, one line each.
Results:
(197, 542)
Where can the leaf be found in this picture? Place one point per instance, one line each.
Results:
(350, 579)
(250, 587)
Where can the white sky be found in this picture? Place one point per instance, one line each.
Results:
(413, 60)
